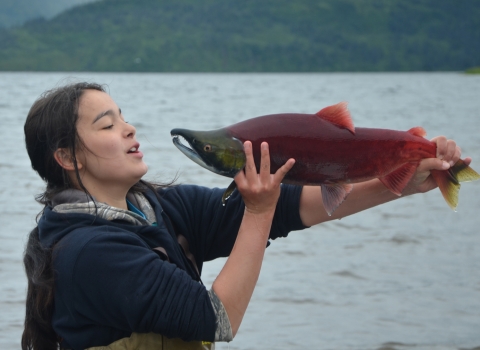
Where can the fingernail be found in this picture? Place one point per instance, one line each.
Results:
(445, 165)
(452, 163)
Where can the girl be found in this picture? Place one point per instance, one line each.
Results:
(115, 261)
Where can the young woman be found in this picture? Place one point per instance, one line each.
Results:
(115, 261)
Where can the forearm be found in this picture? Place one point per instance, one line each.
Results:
(235, 284)
(364, 195)
(372, 193)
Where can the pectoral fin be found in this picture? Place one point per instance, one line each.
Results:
(333, 195)
(399, 178)
(228, 192)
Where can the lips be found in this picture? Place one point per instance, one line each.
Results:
(134, 148)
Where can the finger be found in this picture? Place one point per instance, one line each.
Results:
(240, 179)
(450, 152)
(264, 163)
(250, 169)
(441, 142)
(428, 164)
(467, 160)
(283, 170)
(456, 155)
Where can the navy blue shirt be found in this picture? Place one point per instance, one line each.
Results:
(109, 282)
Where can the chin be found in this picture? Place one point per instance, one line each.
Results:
(141, 173)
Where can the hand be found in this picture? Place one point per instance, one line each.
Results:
(260, 192)
(448, 153)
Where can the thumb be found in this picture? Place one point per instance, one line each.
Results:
(433, 164)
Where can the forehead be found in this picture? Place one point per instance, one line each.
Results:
(93, 102)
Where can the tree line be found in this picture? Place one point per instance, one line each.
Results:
(249, 36)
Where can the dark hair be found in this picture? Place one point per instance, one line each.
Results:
(51, 124)
(38, 333)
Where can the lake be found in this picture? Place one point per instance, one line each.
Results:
(404, 275)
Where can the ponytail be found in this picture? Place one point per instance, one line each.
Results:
(38, 333)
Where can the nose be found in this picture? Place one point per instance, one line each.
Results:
(130, 130)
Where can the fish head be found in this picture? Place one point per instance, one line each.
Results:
(214, 150)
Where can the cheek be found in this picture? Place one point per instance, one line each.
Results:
(105, 148)
(99, 155)
(109, 148)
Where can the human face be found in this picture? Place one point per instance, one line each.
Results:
(110, 159)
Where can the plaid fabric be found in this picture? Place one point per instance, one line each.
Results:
(110, 213)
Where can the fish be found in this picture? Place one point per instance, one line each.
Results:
(329, 152)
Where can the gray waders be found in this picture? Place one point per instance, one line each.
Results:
(154, 341)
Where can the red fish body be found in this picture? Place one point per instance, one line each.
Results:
(326, 153)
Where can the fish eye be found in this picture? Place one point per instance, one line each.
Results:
(207, 148)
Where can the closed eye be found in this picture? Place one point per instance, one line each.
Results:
(108, 127)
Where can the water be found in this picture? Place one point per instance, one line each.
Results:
(405, 275)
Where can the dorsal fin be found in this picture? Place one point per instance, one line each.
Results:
(418, 131)
(339, 115)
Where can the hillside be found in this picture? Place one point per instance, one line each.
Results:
(16, 12)
(267, 35)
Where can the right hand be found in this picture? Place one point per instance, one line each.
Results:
(448, 153)
(260, 192)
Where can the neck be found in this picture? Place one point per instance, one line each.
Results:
(109, 192)
(117, 202)
(115, 196)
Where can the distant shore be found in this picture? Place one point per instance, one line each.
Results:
(473, 70)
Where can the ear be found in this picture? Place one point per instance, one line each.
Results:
(64, 158)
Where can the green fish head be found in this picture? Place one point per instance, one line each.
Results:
(214, 150)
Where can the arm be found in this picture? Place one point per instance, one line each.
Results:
(372, 193)
(114, 279)
(235, 284)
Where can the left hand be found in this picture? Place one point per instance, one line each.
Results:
(260, 191)
(448, 153)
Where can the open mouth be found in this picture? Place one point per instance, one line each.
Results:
(134, 148)
(177, 141)
(189, 152)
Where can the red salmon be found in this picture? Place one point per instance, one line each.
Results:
(328, 151)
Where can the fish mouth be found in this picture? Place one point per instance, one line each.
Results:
(190, 152)
(213, 150)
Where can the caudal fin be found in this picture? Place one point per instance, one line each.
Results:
(449, 181)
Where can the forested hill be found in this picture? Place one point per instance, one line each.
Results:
(250, 35)
(16, 12)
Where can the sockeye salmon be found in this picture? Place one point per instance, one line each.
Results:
(328, 151)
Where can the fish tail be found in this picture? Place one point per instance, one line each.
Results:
(448, 181)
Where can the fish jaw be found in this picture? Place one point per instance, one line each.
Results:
(213, 150)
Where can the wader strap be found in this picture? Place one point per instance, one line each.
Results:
(186, 249)
(183, 242)
(154, 341)
(162, 253)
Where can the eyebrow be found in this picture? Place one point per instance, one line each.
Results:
(103, 114)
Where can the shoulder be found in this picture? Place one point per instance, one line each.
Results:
(94, 243)
(91, 235)
(190, 198)
(189, 192)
